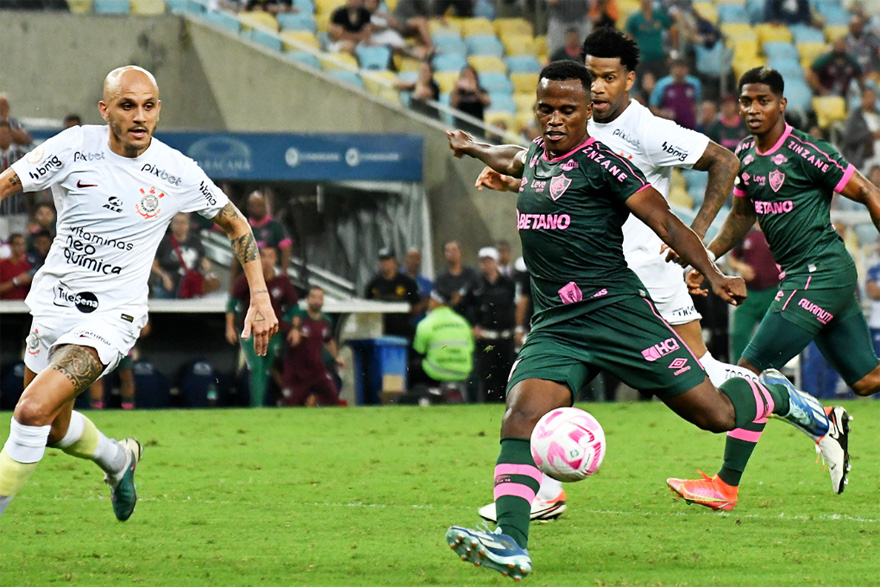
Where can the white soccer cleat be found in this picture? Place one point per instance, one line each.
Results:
(833, 447)
(542, 509)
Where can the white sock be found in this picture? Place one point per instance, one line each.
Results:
(550, 488)
(26, 444)
(84, 440)
(720, 372)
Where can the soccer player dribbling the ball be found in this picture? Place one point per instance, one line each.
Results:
(116, 189)
(591, 311)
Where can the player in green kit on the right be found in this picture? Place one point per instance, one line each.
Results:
(591, 311)
(786, 181)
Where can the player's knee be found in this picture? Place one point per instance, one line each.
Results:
(716, 421)
(30, 411)
(869, 384)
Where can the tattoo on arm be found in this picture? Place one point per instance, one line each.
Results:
(245, 248)
(259, 317)
(79, 364)
(15, 181)
(722, 166)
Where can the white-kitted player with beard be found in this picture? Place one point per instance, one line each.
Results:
(116, 189)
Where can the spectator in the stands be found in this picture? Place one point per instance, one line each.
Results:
(41, 242)
(413, 17)
(458, 279)
(15, 276)
(19, 135)
(655, 34)
(706, 116)
(729, 129)
(863, 44)
(412, 268)
(832, 73)
(788, 12)
(181, 265)
(422, 90)
(43, 219)
(349, 27)
(860, 141)
(572, 48)
(471, 98)
(505, 258)
(14, 209)
(390, 285)
(603, 13)
(70, 120)
(268, 230)
(270, 6)
(676, 95)
(387, 32)
(563, 15)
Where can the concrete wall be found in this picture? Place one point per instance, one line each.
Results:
(53, 64)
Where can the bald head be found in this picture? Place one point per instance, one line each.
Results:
(123, 77)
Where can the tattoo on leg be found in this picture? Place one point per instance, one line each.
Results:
(78, 364)
(245, 248)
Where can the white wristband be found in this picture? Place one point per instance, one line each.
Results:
(711, 255)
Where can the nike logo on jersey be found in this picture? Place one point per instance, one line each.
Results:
(81, 185)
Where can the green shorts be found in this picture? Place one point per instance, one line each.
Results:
(832, 317)
(628, 338)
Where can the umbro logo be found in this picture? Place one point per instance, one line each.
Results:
(114, 204)
(80, 184)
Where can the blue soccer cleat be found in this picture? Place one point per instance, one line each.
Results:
(123, 493)
(492, 550)
(805, 412)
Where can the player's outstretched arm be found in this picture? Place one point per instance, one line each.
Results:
(10, 183)
(722, 166)
(260, 319)
(653, 209)
(505, 159)
(489, 178)
(860, 190)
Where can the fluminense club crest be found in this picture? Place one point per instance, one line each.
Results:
(558, 185)
(777, 178)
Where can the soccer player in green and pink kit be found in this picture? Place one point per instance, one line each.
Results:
(786, 181)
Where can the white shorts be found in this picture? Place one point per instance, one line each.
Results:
(108, 334)
(665, 283)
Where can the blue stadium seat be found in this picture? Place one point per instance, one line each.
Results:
(799, 95)
(293, 21)
(304, 6)
(733, 13)
(264, 38)
(494, 81)
(224, 20)
(866, 234)
(446, 117)
(305, 58)
(835, 15)
(523, 64)
(711, 62)
(373, 57)
(184, 6)
(778, 49)
(446, 43)
(789, 67)
(408, 76)
(484, 45)
(805, 34)
(348, 77)
(449, 62)
(756, 10)
(111, 7)
(502, 103)
(482, 8)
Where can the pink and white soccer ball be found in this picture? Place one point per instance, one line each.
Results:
(568, 444)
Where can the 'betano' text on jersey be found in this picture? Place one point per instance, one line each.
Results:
(656, 146)
(791, 187)
(112, 213)
(570, 213)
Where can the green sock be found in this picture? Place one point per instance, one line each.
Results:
(517, 480)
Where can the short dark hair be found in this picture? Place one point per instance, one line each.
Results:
(75, 118)
(42, 232)
(566, 70)
(763, 75)
(609, 42)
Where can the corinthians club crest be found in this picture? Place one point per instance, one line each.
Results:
(558, 185)
(777, 178)
(148, 207)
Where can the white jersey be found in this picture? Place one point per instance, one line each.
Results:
(655, 145)
(112, 213)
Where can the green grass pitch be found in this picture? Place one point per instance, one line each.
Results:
(363, 496)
